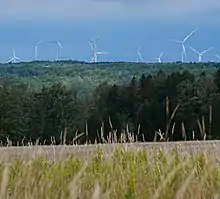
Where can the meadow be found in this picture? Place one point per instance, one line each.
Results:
(125, 171)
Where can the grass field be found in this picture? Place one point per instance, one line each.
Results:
(123, 171)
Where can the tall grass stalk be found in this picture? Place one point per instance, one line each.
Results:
(120, 173)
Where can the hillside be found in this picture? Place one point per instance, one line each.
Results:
(87, 76)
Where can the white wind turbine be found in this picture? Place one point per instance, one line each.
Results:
(59, 46)
(200, 53)
(159, 58)
(36, 49)
(183, 43)
(139, 56)
(14, 57)
(95, 53)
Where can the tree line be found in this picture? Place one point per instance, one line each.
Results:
(174, 106)
(87, 76)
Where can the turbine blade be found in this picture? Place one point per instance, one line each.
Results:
(10, 60)
(59, 44)
(207, 50)
(101, 53)
(140, 56)
(39, 42)
(193, 49)
(92, 47)
(189, 35)
(94, 40)
(217, 56)
(18, 58)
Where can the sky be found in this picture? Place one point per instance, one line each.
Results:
(122, 25)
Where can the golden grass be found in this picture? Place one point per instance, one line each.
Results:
(123, 174)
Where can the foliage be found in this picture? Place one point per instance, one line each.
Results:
(49, 100)
(87, 76)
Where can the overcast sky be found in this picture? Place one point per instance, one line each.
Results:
(121, 24)
(106, 9)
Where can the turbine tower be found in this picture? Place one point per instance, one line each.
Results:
(14, 58)
(95, 53)
(59, 46)
(36, 49)
(139, 56)
(159, 58)
(200, 53)
(183, 43)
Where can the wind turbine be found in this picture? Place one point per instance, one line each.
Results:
(200, 53)
(14, 58)
(159, 58)
(59, 46)
(95, 53)
(94, 49)
(183, 43)
(139, 56)
(36, 49)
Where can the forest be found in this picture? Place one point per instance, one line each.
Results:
(85, 77)
(153, 102)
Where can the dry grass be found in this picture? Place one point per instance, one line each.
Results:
(116, 172)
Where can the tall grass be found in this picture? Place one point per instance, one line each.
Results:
(122, 174)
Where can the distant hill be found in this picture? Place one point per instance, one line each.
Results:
(86, 76)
